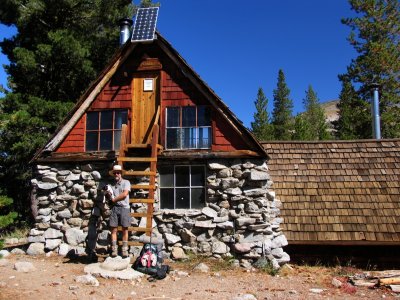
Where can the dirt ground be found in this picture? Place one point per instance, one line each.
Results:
(54, 278)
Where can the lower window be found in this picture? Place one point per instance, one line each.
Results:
(182, 186)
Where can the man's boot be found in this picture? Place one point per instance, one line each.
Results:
(125, 252)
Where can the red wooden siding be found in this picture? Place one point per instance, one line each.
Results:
(75, 141)
(114, 95)
(175, 94)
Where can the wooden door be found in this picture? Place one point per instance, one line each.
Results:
(145, 100)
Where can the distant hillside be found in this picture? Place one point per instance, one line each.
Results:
(331, 110)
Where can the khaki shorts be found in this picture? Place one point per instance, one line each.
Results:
(120, 216)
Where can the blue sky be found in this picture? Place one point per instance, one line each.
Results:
(237, 46)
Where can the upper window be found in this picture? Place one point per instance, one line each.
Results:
(103, 129)
(188, 127)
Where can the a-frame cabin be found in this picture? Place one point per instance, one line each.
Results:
(184, 150)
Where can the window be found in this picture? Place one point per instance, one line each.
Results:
(182, 187)
(188, 127)
(103, 129)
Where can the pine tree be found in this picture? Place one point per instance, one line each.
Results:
(7, 216)
(315, 117)
(261, 126)
(60, 47)
(282, 120)
(376, 36)
(354, 116)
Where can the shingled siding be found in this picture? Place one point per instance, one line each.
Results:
(338, 192)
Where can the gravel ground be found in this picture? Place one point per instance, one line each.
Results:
(54, 278)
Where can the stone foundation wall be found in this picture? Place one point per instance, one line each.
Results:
(240, 219)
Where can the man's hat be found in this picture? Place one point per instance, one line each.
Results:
(117, 168)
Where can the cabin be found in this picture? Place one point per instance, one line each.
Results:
(200, 179)
(340, 200)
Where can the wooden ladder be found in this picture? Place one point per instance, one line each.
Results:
(150, 150)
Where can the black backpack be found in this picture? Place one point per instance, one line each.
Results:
(150, 262)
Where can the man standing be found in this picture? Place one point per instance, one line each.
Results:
(120, 212)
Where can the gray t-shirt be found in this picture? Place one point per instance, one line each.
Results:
(118, 188)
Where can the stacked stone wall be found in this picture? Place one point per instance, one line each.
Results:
(240, 218)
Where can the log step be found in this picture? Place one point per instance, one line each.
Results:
(143, 187)
(136, 159)
(136, 229)
(140, 173)
(131, 243)
(138, 200)
(139, 215)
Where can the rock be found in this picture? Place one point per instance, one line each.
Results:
(216, 166)
(221, 219)
(52, 244)
(35, 249)
(65, 214)
(201, 267)
(205, 224)
(24, 266)
(242, 247)
(18, 251)
(75, 222)
(209, 212)
(316, 291)
(96, 175)
(244, 221)
(219, 248)
(177, 253)
(63, 249)
(87, 279)
(245, 297)
(47, 185)
(259, 175)
(126, 274)
(75, 236)
(171, 239)
(225, 225)
(279, 241)
(224, 173)
(187, 236)
(115, 263)
(284, 259)
(255, 192)
(52, 233)
(36, 239)
(44, 211)
(233, 191)
(78, 189)
(4, 253)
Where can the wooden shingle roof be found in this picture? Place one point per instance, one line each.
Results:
(338, 192)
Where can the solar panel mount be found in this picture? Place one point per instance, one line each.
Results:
(145, 24)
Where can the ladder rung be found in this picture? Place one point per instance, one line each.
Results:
(142, 186)
(137, 229)
(131, 243)
(137, 159)
(137, 200)
(140, 173)
(139, 214)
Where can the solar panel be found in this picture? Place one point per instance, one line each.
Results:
(145, 24)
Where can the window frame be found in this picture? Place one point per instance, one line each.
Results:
(180, 129)
(190, 187)
(114, 130)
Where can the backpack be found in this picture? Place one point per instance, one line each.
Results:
(149, 260)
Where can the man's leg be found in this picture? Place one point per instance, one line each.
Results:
(114, 247)
(125, 242)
